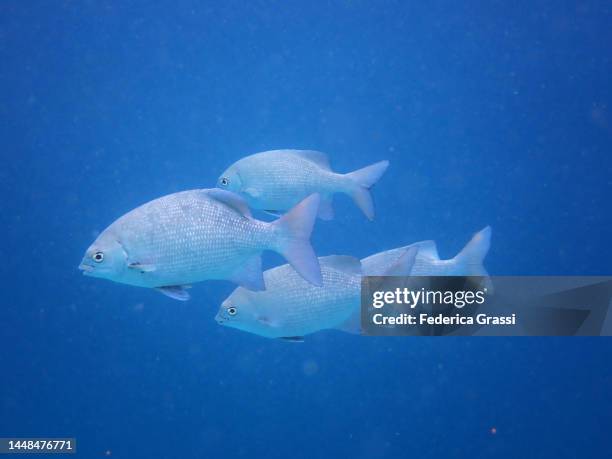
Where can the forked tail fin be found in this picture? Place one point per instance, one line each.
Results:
(293, 243)
(361, 182)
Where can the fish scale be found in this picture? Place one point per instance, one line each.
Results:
(290, 291)
(276, 180)
(292, 307)
(197, 235)
(185, 236)
(299, 176)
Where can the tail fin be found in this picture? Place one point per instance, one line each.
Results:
(362, 180)
(294, 230)
(470, 259)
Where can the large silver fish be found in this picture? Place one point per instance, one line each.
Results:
(290, 308)
(276, 180)
(187, 237)
(468, 262)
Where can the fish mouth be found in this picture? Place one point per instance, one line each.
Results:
(86, 268)
(220, 319)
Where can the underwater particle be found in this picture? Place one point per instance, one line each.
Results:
(108, 452)
(493, 430)
(599, 116)
(310, 367)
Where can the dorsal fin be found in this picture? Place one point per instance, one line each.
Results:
(427, 249)
(176, 292)
(230, 199)
(403, 265)
(343, 263)
(317, 157)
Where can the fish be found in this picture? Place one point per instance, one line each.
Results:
(274, 181)
(468, 262)
(291, 308)
(195, 235)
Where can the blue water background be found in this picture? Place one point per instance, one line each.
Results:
(490, 112)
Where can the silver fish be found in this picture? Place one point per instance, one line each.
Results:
(290, 308)
(195, 235)
(468, 262)
(276, 180)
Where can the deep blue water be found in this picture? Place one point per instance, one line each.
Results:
(490, 112)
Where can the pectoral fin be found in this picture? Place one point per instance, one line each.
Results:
(176, 292)
(142, 267)
(252, 192)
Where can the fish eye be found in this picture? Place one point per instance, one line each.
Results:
(231, 311)
(224, 181)
(98, 257)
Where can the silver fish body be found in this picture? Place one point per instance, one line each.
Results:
(290, 308)
(468, 262)
(197, 235)
(276, 180)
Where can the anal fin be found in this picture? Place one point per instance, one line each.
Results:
(176, 292)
